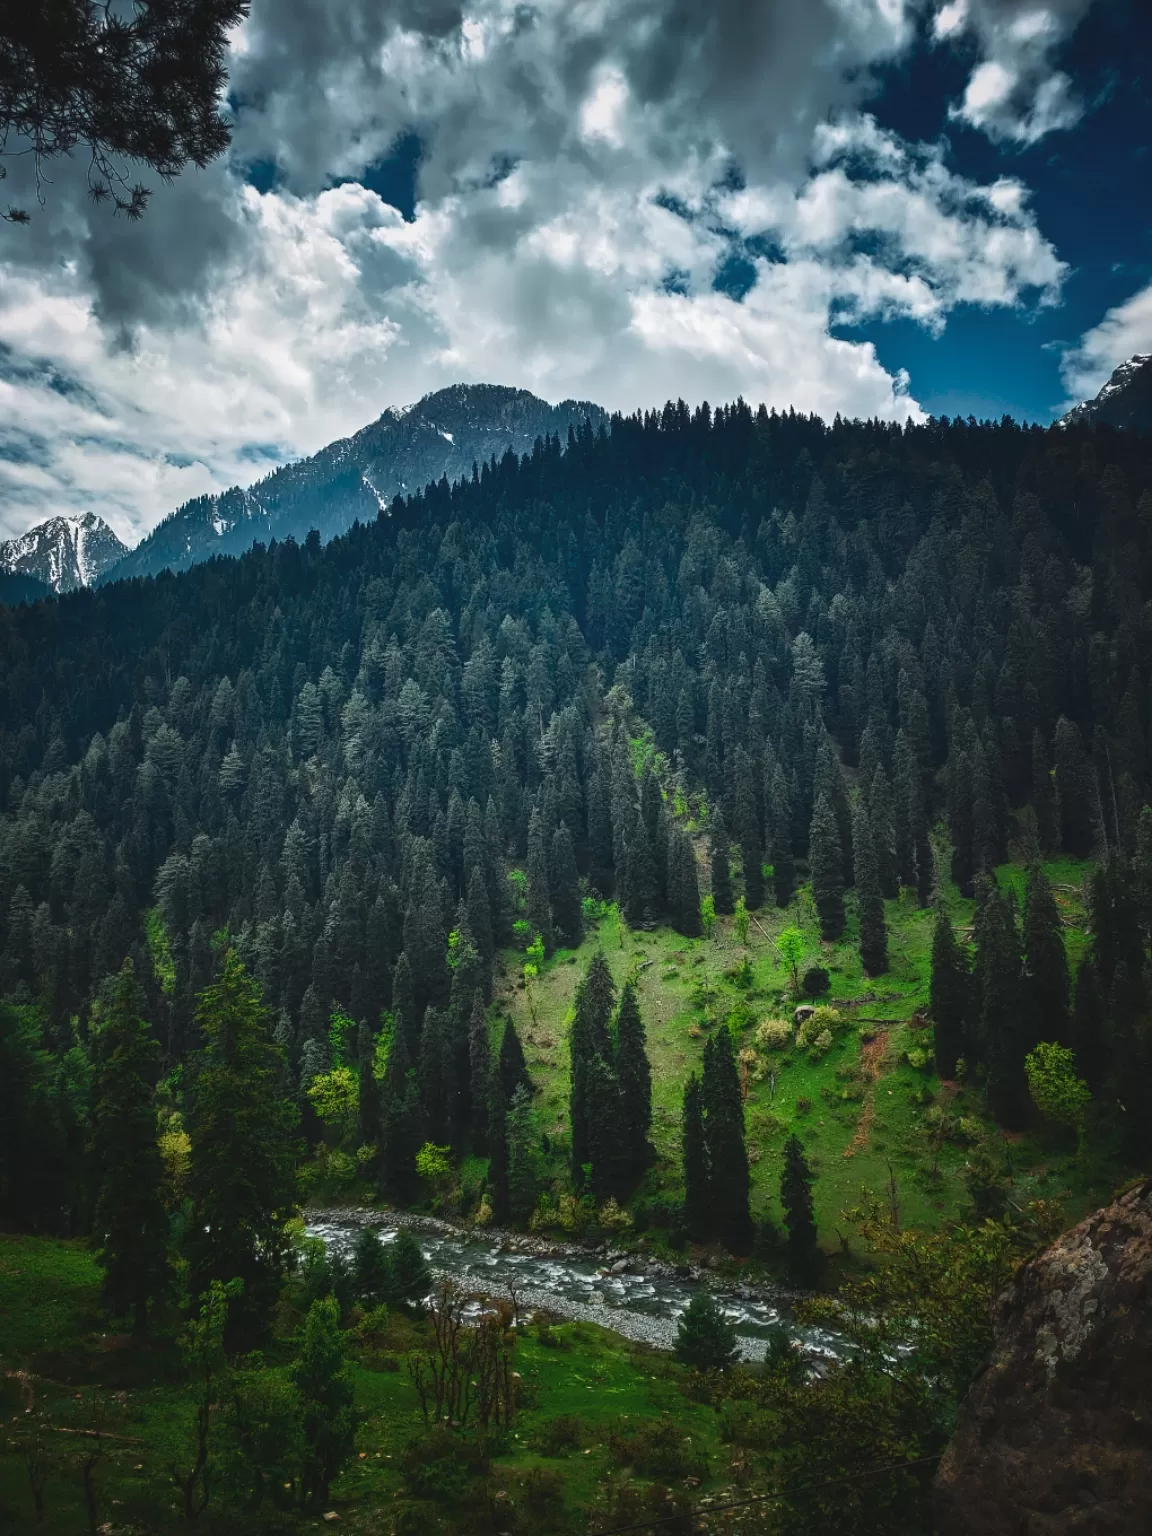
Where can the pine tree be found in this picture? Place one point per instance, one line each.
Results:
(882, 810)
(513, 1065)
(370, 1268)
(539, 902)
(521, 1141)
(826, 862)
(719, 864)
(683, 885)
(409, 1278)
(607, 1149)
(404, 1004)
(497, 1139)
(564, 884)
(322, 1377)
(425, 937)
(640, 881)
(783, 864)
(129, 1223)
(368, 1094)
(870, 903)
(1045, 983)
(949, 998)
(241, 1169)
(480, 1072)
(480, 924)
(747, 811)
(634, 1073)
(698, 1213)
(799, 1212)
(1081, 821)
(730, 1176)
(589, 1038)
(705, 1339)
(1003, 1030)
(1044, 801)
(401, 1120)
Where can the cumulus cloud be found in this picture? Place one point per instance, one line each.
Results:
(588, 170)
(1016, 91)
(1124, 331)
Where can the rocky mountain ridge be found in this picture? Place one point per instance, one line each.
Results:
(1124, 402)
(63, 553)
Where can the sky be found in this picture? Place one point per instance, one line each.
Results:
(887, 208)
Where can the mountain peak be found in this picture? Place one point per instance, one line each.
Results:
(404, 449)
(1124, 402)
(67, 551)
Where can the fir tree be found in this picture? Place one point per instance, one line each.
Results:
(513, 1065)
(1045, 982)
(730, 1177)
(683, 885)
(799, 1212)
(635, 1079)
(949, 997)
(539, 903)
(1044, 801)
(826, 862)
(401, 1120)
(1081, 822)
(520, 1134)
(480, 1071)
(1003, 1030)
(870, 903)
(641, 886)
(409, 1278)
(607, 1150)
(129, 1223)
(719, 864)
(783, 865)
(705, 1339)
(241, 1169)
(589, 1038)
(370, 1268)
(564, 884)
(404, 1004)
(497, 1139)
(698, 1213)
(480, 924)
(747, 811)
(882, 810)
(368, 1094)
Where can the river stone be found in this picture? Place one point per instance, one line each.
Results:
(1056, 1436)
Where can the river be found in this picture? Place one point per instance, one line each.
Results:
(635, 1297)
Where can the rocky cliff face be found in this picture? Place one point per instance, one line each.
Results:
(1056, 1435)
(1124, 402)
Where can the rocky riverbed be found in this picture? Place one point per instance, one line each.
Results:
(637, 1296)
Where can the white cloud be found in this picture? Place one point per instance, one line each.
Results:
(151, 364)
(1124, 331)
(1015, 92)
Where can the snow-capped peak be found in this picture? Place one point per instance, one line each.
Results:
(68, 551)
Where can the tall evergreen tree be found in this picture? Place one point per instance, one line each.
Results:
(883, 813)
(783, 864)
(1003, 1030)
(588, 1039)
(607, 1149)
(870, 903)
(513, 1065)
(634, 1072)
(698, 1213)
(1045, 981)
(564, 885)
(539, 903)
(520, 1138)
(730, 1176)
(480, 924)
(368, 1090)
(1044, 801)
(826, 862)
(683, 885)
(130, 1223)
(748, 833)
(401, 1120)
(949, 997)
(497, 1139)
(1078, 793)
(241, 1167)
(799, 1212)
(480, 1074)
(719, 864)
(322, 1376)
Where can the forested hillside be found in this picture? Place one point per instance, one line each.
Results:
(477, 862)
(425, 736)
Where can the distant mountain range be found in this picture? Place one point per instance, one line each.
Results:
(443, 435)
(1124, 402)
(58, 556)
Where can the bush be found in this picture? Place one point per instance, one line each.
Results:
(659, 1448)
(774, 1035)
(558, 1436)
(705, 1339)
(439, 1465)
(612, 1217)
(815, 981)
(822, 1043)
(544, 1497)
(917, 1058)
(820, 1021)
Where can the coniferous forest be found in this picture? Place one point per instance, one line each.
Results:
(519, 858)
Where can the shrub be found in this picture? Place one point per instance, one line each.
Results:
(815, 981)
(774, 1035)
(612, 1217)
(917, 1058)
(659, 1449)
(544, 1497)
(439, 1465)
(705, 1339)
(822, 1043)
(822, 1020)
(558, 1436)
(803, 1106)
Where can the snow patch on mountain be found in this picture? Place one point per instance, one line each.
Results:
(65, 552)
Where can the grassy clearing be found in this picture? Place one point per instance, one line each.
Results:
(582, 1389)
(861, 1110)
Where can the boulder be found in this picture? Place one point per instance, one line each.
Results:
(1056, 1435)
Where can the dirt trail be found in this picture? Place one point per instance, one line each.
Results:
(873, 1054)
